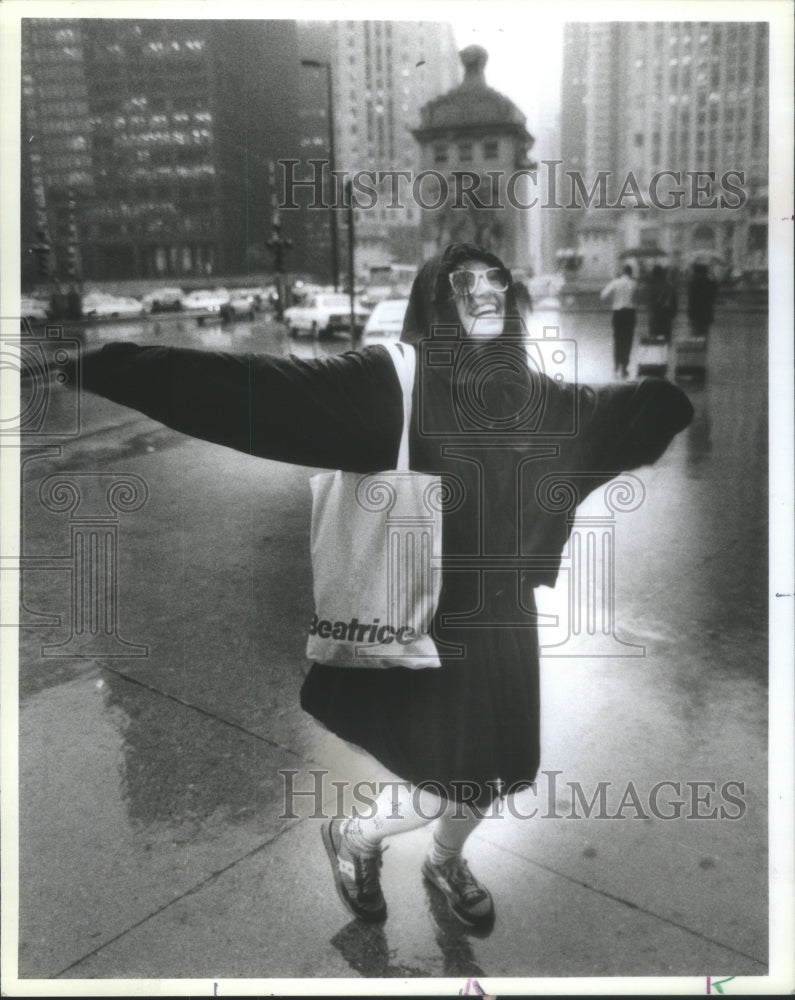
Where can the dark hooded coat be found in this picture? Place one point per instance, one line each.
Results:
(496, 428)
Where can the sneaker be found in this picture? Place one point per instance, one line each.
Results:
(466, 897)
(356, 876)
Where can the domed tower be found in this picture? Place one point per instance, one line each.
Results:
(475, 157)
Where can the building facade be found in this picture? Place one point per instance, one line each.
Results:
(163, 136)
(475, 141)
(680, 108)
(383, 72)
(546, 226)
(169, 139)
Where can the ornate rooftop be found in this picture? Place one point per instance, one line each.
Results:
(473, 104)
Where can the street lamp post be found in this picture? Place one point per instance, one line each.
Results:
(277, 244)
(351, 268)
(316, 64)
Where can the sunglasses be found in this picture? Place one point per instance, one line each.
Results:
(465, 282)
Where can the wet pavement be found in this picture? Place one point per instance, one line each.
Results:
(152, 842)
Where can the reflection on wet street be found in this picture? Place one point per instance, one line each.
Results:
(153, 837)
(263, 334)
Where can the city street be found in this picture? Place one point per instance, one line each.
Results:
(156, 837)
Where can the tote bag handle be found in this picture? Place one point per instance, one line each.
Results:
(404, 359)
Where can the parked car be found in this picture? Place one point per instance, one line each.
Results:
(206, 301)
(385, 321)
(163, 300)
(33, 310)
(103, 305)
(242, 303)
(324, 315)
(264, 296)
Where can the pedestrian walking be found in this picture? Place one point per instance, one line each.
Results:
(465, 732)
(702, 291)
(622, 291)
(662, 303)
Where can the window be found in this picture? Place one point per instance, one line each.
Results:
(465, 151)
(491, 149)
(440, 153)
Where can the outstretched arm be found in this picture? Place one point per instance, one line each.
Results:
(338, 412)
(626, 426)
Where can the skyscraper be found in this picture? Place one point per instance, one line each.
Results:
(646, 98)
(162, 134)
(383, 72)
(166, 136)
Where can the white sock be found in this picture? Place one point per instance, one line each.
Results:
(451, 833)
(439, 853)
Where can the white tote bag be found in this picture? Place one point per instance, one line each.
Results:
(376, 545)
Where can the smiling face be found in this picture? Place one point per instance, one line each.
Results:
(480, 298)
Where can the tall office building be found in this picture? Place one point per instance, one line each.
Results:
(545, 225)
(56, 156)
(166, 138)
(383, 72)
(161, 134)
(646, 97)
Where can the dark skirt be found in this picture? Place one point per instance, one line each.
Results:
(470, 726)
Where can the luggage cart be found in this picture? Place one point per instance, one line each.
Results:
(652, 356)
(690, 357)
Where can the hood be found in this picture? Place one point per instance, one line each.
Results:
(431, 299)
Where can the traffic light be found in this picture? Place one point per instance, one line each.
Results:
(277, 244)
(43, 254)
(71, 261)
